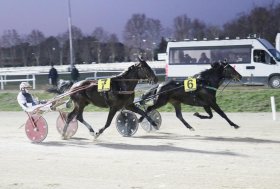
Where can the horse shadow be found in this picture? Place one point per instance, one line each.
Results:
(164, 148)
(74, 141)
(241, 139)
(85, 143)
(168, 147)
(170, 136)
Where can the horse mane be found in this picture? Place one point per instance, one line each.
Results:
(125, 72)
(208, 72)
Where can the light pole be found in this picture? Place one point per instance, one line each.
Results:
(70, 35)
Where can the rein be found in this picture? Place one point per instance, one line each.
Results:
(131, 79)
(212, 88)
(154, 95)
(207, 87)
(224, 87)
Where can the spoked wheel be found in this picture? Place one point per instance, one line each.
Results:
(36, 128)
(156, 117)
(127, 123)
(72, 127)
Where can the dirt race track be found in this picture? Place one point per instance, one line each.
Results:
(213, 156)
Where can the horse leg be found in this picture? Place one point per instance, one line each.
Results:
(208, 110)
(110, 117)
(143, 114)
(157, 104)
(69, 118)
(179, 115)
(216, 107)
(81, 119)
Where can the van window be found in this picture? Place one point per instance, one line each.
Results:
(275, 53)
(261, 56)
(206, 55)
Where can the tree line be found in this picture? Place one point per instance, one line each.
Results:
(142, 35)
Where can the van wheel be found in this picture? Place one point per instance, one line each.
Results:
(274, 82)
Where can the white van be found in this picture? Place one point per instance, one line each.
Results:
(255, 59)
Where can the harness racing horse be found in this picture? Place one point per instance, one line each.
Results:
(121, 95)
(208, 82)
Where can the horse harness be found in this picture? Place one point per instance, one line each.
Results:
(120, 91)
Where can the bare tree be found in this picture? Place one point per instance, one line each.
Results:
(1, 54)
(62, 39)
(10, 40)
(101, 37)
(141, 35)
(25, 48)
(135, 34)
(51, 50)
(35, 38)
(100, 34)
(213, 32)
(263, 21)
(77, 35)
(112, 42)
(154, 33)
(182, 27)
(167, 33)
(198, 29)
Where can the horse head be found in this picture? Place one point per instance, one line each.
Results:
(229, 72)
(144, 71)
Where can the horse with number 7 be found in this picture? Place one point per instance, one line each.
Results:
(115, 93)
(197, 91)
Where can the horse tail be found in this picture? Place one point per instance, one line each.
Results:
(62, 87)
(150, 94)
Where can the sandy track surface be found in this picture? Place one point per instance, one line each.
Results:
(213, 156)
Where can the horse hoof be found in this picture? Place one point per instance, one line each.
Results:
(96, 135)
(196, 114)
(191, 129)
(63, 137)
(236, 127)
(92, 133)
(155, 127)
(140, 119)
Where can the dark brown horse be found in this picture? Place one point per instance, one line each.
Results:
(204, 96)
(121, 95)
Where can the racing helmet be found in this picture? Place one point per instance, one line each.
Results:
(24, 85)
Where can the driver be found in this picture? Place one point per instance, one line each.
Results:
(27, 102)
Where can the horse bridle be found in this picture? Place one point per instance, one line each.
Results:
(142, 69)
(224, 70)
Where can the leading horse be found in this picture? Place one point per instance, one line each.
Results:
(120, 95)
(208, 82)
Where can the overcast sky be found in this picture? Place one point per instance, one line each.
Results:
(50, 16)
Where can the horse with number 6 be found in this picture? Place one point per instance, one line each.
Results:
(197, 91)
(119, 95)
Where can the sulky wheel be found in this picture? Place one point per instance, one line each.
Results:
(36, 128)
(72, 127)
(127, 123)
(156, 117)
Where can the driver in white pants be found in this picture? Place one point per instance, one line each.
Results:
(27, 102)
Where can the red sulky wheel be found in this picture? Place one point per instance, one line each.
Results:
(36, 128)
(72, 127)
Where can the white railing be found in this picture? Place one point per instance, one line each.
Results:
(81, 67)
(4, 79)
(31, 72)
